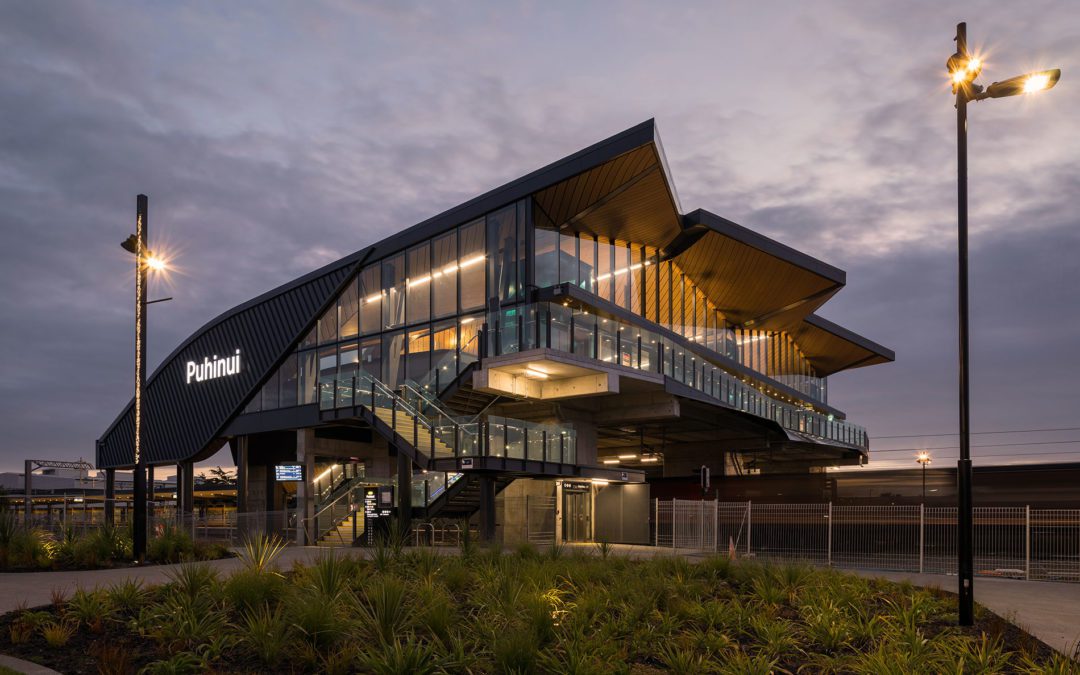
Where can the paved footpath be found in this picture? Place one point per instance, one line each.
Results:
(1050, 611)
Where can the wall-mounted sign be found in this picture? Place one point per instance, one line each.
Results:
(576, 486)
(213, 368)
(288, 473)
(466, 462)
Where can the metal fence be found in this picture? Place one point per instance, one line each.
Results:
(1017, 542)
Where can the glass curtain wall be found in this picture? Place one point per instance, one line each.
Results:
(412, 313)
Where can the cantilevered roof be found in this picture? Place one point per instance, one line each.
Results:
(627, 198)
(756, 282)
(831, 348)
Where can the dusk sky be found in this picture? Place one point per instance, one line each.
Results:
(272, 138)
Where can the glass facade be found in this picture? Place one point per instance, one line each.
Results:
(414, 316)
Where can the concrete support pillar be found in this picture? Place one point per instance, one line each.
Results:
(241, 473)
(110, 496)
(404, 492)
(487, 508)
(185, 487)
(305, 493)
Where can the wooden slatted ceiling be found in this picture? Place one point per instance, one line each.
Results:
(745, 282)
(626, 198)
(830, 353)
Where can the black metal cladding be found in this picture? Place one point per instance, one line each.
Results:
(182, 419)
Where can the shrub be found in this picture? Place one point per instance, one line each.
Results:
(249, 590)
(385, 611)
(263, 631)
(128, 595)
(259, 553)
(112, 658)
(171, 546)
(28, 549)
(57, 633)
(90, 608)
(315, 619)
(400, 658)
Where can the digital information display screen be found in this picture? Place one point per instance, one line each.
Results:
(288, 472)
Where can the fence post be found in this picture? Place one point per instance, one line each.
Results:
(1027, 542)
(656, 522)
(701, 526)
(716, 521)
(749, 509)
(922, 535)
(828, 543)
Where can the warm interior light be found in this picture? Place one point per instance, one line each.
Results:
(468, 319)
(535, 373)
(627, 456)
(324, 473)
(1036, 82)
(472, 261)
(650, 459)
(600, 481)
(611, 461)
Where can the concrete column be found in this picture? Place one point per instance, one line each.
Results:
(487, 508)
(241, 473)
(185, 487)
(404, 492)
(110, 496)
(305, 494)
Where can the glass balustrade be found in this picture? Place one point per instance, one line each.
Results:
(560, 328)
(421, 420)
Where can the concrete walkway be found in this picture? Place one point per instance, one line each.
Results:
(1049, 611)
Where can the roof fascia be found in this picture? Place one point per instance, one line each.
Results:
(851, 336)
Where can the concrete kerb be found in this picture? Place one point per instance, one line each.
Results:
(25, 667)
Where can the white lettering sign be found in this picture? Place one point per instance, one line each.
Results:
(213, 368)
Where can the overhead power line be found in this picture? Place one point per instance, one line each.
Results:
(989, 445)
(979, 433)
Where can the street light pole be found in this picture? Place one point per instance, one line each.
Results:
(139, 534)
(964, 69)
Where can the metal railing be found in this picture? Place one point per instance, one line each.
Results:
(546, 325)
(1017, 542)
(430, 429)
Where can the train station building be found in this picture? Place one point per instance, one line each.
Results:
(528, 359)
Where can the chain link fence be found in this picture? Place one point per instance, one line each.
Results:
(1017, 542)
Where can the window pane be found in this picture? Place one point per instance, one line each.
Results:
(348, 358)
(328, 325)
(584, 334)
(444, 351)
(587, 260)
(470, 343)
(393, 350)
(369, 296)
(444, 275)
(665, 294)
(419, 358)
(287, 377)
(309, 339)
(524, 224)
(621, 274)
(547, 267)
(327, 364)
(418, 305)
(634, 279)
(308, 377)
(568, 258)
(348, 320)
(502, 242)
(471, 242)
(370, 361)
(604, 255)
(393, 281)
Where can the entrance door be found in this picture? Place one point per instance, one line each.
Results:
(577, 516)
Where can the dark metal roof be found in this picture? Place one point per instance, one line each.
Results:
(183, 419)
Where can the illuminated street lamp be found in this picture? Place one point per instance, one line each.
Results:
(964, 68)
(924, 459)
(145, 260)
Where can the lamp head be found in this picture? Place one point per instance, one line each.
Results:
(1024, 84)
(963, 69)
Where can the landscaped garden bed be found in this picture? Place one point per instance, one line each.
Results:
(28, 549)
(486, 611)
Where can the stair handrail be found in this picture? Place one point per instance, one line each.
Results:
(304, 522)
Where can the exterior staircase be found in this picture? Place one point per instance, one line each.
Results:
(341, 535)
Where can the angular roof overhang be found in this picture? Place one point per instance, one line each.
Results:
(831, 348)
(759, 283)
(629, 197)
